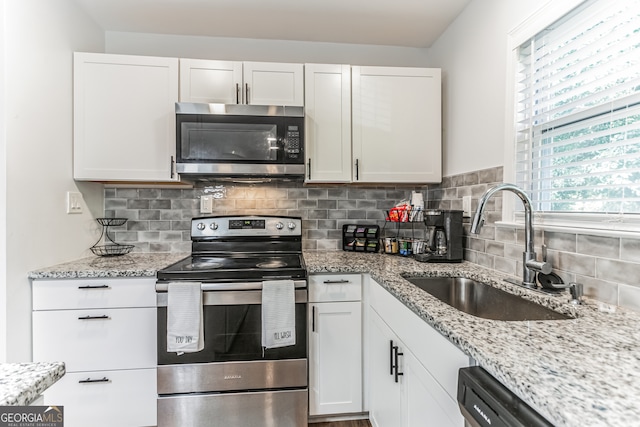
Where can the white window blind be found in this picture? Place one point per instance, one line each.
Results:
(578, 111)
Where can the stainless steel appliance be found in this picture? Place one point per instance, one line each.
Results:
(234, 381)
(485, 402)
(445, 234)
(220, 140)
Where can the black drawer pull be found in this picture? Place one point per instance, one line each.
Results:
(336, 282)
(103, 317)
(94, 287)
(90, 381)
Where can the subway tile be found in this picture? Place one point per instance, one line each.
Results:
(471, 178)
(171, 235)
(565, 242)
(297, 193)
(167, 193)
(629, 297)
(505, 265)
(347, 204)
(286, 204)
(630, 250)
(318, 214)
(337, 193)
(148, 193)
(366, 204)
(606, 247)
(494, 248)
(127, 193)
(113, 204)
(318, 193)
(576, 263)
(337, 214)
(307, 204)
(137, 204)
(327, 204)
(149, 215)
(137, 225)
(618, 271)
(160, 204)
(506, 234)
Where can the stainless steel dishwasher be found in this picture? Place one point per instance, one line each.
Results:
(485, 402)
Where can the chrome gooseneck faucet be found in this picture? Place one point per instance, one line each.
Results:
(530, 265)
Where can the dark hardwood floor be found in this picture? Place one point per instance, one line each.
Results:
(352, 423)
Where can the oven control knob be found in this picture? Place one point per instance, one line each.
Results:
(291, 225)
(279, 226)
(213, 226)
(200, 226)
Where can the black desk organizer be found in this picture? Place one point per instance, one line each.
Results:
(361, 237)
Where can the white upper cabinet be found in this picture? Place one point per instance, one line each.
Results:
(232, 82)
(124, 117)
(328, 122)
(208, 81)
(396, 124)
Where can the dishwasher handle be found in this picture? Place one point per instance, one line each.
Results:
(485, 402)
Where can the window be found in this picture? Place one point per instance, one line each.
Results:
(577, 136)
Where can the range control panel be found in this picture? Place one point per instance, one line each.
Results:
(237, 226)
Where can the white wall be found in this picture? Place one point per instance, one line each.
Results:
(3, 198)
(472, 53)
(262, 50)
(40, 36)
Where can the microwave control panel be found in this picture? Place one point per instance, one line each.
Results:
(292, 142)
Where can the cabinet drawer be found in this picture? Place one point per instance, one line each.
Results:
(106, 398)
(93, 293)
(101, 339)
(335, 287)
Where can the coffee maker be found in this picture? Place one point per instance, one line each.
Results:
(444, 235)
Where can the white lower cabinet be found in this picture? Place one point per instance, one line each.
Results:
(108, 344)
(412, 368)
(335, 344)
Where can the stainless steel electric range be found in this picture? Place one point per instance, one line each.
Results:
(235, 381)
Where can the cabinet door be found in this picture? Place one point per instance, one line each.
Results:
(335, 358)
(124, 117)
(425, 402)
(210, 81)
(106, 398)
(385, 404)
(328, 122)
(396, 124)
(270, 83)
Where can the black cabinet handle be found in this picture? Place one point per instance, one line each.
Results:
(309, 168)
(313, 318)
(237, 93)
(171, 167)
(103, 317)
(90, 381)
(246, 93)
(391, 347)
(357, 169)
(396, 366)
(336, 282)
(94, 287)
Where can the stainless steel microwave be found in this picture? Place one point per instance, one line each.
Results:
(231, 141)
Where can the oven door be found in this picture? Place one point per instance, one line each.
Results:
(233, 329)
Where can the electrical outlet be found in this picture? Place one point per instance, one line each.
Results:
(466, 205)
(206, 204)
(74, 202)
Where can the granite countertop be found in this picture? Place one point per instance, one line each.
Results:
(130, 265)
(22, 383)
(576, 372)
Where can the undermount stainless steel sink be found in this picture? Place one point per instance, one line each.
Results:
(482, 300)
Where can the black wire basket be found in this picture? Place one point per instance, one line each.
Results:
(110, 249)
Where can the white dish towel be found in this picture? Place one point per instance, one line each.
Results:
(278, 313)
(185, 331)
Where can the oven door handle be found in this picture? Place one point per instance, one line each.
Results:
(231, 286)
(231, 297)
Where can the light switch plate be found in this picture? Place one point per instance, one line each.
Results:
(75, 202)
(206, 204)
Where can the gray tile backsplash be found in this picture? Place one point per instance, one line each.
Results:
(159, 221)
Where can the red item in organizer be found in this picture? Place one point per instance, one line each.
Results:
(399, 214)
